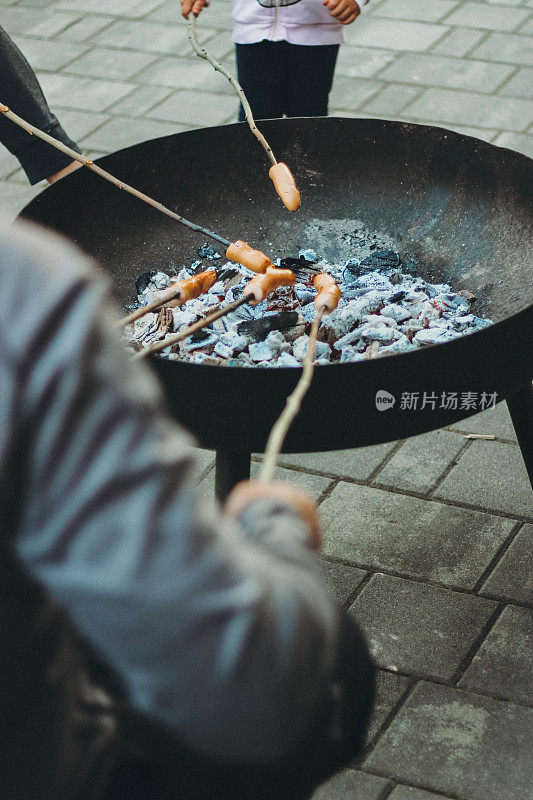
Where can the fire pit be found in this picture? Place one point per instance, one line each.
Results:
(461, 207)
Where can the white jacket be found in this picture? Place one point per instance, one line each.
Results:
(303, 22)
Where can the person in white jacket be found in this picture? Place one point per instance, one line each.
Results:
(286, 52)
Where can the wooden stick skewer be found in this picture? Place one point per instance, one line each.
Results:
(201, 52)
(292, 407)
(31, 129)
(326, 301)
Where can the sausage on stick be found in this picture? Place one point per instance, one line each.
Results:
(255, 291)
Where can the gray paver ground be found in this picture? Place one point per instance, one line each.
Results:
(437, 508)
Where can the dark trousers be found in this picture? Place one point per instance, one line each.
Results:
(281, 79)
(156, 766)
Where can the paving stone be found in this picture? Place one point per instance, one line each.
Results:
(79, 123)
(452, 73)
(503, 665)
(351, 92)
(14, 196)
(146, 37)
(342, 580)
(50, 25)
(505, 47)
(512, 578)
(127, 8)
(495, 421)
(492, 475)
(486, 135)
(102, 62)
(521, 142)
(421, 10)
(315, 485)
(419, 629)
(22, 20)
(393, 34)
(381, 530)
(197, 108)
(527, 28)
(458, 42)
(521, 84)
(479, 15)
(217, 16)
(46, 55)
(408, 793)
(357, 464)
(219, 46)
(203, 460)
(361, 62)
(391, 99)
(141, 101)
(351, 784)
(484, 111)
(85, 28)
(390, 689)
(186, 73)
(461, 744)
(8, 163)
(122, 132)
(70, 91)
(420, 461)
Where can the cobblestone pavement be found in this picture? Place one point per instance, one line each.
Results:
(428, 542)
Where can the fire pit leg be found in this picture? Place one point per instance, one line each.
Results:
(231, 467)
(521, 409)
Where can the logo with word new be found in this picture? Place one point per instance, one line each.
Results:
(384, 400)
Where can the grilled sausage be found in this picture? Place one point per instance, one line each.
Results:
(242, 253)
(328, 293)
(285, 186)
(261, 286)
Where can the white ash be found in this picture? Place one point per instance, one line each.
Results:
(385, 308)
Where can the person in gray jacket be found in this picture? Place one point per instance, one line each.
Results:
(151, 648)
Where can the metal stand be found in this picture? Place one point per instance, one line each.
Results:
(520, 407)
(231, 467)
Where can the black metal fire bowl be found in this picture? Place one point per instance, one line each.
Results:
(459, 205)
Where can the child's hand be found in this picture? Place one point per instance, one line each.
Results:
(192, 5)
(344, 11)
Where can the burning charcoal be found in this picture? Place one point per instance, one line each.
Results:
(322, 350)
(287, 360)
(350, 354)
(411, 328)
(398, 296)
(260, 351)
(206, 250)
(234, 341)
(304, 293)
(401, 345)
(196, 267)
(291, 334)
(451, 302)
(434, 336)
(376, 321)
(165, 321)
(380, 260)
(260, 328)
(182, 317)
(223, 350)
(372, 350)
(204, 358)
(429, 312)
(303, 269)
(466, 295)
(228, 273)
(395, 312)
(141, 284)
(218, 288)
(245, 360)
(202, 340)
(350, 339)
(308, 312)
(380, 333)
(276, 341)
(308, 255)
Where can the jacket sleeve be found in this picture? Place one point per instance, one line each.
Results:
(20, 90)
(210, 629)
